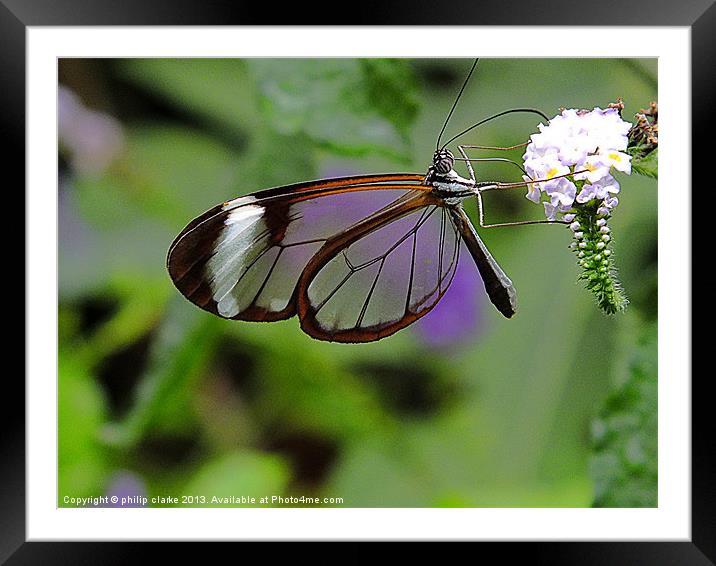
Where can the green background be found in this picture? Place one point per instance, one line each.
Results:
(553, 408)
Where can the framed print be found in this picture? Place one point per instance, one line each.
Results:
(359, 283)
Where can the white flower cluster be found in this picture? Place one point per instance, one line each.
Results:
(577, 145)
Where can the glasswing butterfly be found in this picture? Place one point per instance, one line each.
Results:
(356, 258)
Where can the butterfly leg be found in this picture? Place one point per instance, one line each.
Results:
(500, 186)
(468, 162)
(478, 192)
(496, 186)
(499, 148)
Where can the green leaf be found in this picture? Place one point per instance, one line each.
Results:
(333, 103)
(172, 173)
(136, 315)
(228, 104)
(186, 340)
(624, 461)
(392, 90)
(302, 384)
(647, 165)
(82, 460)
(370, 476)
(293, 155)
(239, 474)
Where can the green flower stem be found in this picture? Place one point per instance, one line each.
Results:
(592, 238)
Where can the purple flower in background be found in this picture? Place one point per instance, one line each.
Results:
(457, 318)
(92, 139)
(126, 490)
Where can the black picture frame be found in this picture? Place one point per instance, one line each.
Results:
(17, 15)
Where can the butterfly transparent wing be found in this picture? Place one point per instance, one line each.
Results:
(242, 259)
(381, 275)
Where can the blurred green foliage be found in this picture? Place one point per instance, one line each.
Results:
(190, 404)
(647, 165)
(624, 465)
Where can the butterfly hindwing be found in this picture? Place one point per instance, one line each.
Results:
(382, 274)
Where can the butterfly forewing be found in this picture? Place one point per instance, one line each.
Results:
(242, 259)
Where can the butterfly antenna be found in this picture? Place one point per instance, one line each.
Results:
(454, 105)
(504, 113)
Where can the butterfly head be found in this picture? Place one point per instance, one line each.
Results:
(443, 161)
